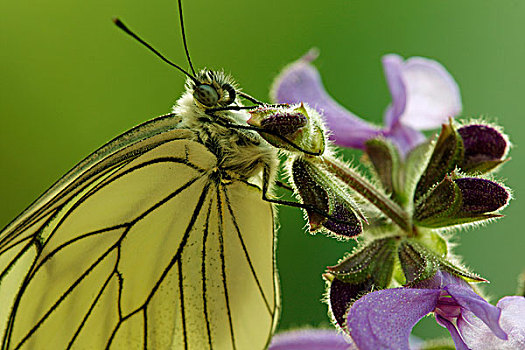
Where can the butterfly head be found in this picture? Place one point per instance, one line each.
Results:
(213, 89)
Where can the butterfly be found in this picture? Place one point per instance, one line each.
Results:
(159, 239)
(163, 238)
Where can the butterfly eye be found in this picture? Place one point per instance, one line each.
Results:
(231, 94)
(206, 94)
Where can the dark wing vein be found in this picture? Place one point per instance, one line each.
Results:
(182, 309)
(245, 251)
(204, 300)
(220, 210)
(15, 260)
(90, 310)
(129, 171)
(145, 329)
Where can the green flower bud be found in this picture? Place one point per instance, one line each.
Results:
(374, 261)
(447, 154)
(369, 268)
(460, 201)
(385, 160)
(439, 207)
(317, 189)
(417, 263)
(420, 263)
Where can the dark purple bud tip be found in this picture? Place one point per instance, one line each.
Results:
(341, 297)
(284, 124)
(481, 195)
(343, 221)
(484, 147)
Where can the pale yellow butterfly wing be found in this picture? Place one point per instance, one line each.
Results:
(141, 246)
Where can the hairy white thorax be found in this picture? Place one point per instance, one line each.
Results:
(242, 153)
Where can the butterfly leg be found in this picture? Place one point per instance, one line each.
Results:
(283, 185)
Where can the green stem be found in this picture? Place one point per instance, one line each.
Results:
(364, 188)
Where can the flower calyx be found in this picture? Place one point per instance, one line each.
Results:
(420, 263)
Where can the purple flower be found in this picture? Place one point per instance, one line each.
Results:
(384, 319)
(478, 336)
(312, 339)
(424, 95)
(320, 339)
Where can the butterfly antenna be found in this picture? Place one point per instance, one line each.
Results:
(128, 31)
(184, 37)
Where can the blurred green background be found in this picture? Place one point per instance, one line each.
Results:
(70, 81)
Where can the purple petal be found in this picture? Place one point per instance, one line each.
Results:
(405, 138)
(301, 82)
(311, 339)
(472, 302)
(393, 67)
(440, 280)
(384, 319)
(478, 336)
(432, 95)
(456, 337)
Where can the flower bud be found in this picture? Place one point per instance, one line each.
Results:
(481, 195)
(284, 124)
(334, 210)
(298, 124)
(375, 260)
(312, 192)
(385, 160)
(447, 154)
(367, 269)
(341, 296)
(439, 207)
(420, 263)
(460, 201)
(485, 148)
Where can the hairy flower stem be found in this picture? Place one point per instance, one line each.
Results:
(364, 188)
